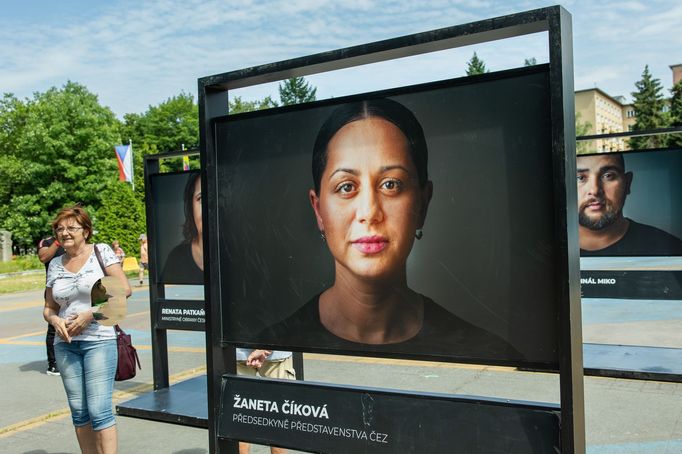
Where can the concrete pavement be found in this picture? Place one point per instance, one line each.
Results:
(622, 416)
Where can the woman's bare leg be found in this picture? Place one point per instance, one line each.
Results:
(106, 440)
(86, 439)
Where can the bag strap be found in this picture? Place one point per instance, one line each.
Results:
(99, 259)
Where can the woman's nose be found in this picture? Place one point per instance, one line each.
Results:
(369, 208)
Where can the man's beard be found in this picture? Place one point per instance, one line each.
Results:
(607, 219)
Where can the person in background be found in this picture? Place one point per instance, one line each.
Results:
(48, 249)
(269, 364)
(120, 255)
(144, 257)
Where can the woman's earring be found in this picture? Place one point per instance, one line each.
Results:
(324, 238)
(419, 234)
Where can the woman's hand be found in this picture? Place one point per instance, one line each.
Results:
(50, 314)
(60, 328)
(76, 323)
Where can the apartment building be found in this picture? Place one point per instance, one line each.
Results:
(606, 115)
(609, 114)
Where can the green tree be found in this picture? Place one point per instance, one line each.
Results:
(296, 91)
(675, 140)
(475, 66)
(582, 128)
(238, 105)
(56, 150)
(120, 217)
(648, 104)
(166, 127)
(530, 61)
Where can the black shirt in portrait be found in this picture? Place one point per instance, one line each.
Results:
(442, 334)
(640, 240)
(180, 267)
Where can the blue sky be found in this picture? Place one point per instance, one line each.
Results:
(133, 54)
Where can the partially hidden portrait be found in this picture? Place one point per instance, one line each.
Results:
(393, 223)
(605, 185)
(179, 241)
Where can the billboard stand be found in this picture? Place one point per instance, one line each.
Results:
(623, 284)
(228, 395)
(185, 402)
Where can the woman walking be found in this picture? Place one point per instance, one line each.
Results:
(85, 351)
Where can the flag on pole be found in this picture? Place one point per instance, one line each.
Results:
(185, 162)
(124, 155)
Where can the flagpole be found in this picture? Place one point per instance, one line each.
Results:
(132, 162)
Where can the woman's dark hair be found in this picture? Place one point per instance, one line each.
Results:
(386, 109)
(189, 229)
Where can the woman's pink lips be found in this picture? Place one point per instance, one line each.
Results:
(370, 244)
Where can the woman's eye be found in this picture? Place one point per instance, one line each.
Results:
(345, 188)
(392, 185)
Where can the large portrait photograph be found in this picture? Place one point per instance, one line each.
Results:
(630, 204)
(416, 222)
(177, 239)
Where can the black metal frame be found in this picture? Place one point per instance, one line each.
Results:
(556, 21)
(156, 290)
(178, 403)
(666, 369)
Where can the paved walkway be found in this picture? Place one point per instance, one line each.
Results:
(622, 416)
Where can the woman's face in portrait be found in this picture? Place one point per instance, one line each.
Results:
(370, 203)
(196, 205)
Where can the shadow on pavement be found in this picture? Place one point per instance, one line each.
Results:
(35, 366)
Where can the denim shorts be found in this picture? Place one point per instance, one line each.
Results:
(88, 369)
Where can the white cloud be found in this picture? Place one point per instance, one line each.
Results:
(133, 54)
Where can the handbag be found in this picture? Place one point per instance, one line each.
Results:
(127, 354)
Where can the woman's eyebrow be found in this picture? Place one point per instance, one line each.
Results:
(344, 170)
(393, 167)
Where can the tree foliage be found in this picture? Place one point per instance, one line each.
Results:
(675, 140)
(296, 91)
(57, 150)
(582, 128)
(648, 105)
(475, 66)
(238, 105)
(120, 217)
(166, 127)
